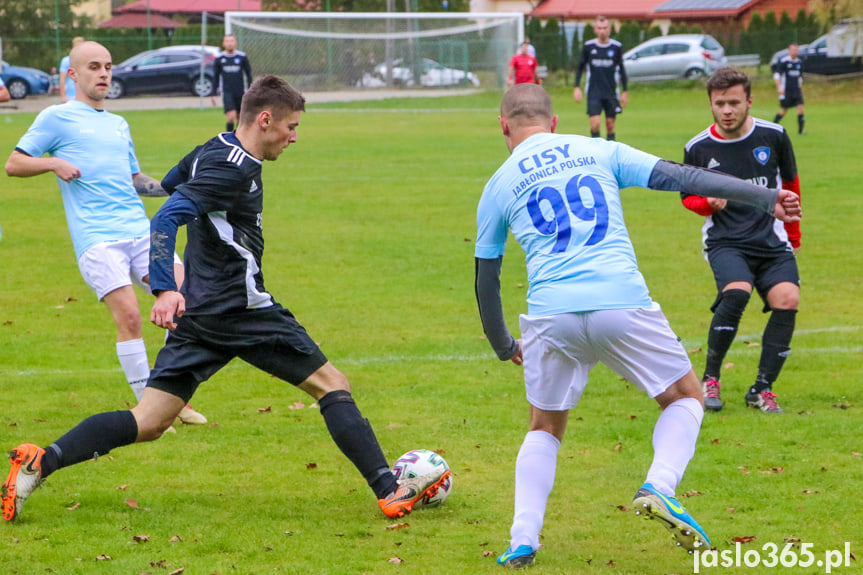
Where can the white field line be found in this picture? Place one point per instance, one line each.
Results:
(797, 350)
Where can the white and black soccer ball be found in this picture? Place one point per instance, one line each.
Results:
(421, 462)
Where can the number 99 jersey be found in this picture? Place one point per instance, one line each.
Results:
(560, 196)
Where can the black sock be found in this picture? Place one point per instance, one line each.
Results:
(800, 121)
(777, 119)
(610, 136)
(355, 437)
(230, 126)
(594, 134)
(775, 347)
(95, 436)
(726, 317)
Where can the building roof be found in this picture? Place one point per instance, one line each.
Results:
(190, 6)
(642, 9)
(584, 9)
(139, 20)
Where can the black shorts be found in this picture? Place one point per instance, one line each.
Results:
(231, 101)
(271, 339)
(611, 107)
(733, 265)
(791, 101)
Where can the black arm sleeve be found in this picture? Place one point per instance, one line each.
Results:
(247, 70)
(487, 287)
(690, 180)
(623, 80)
(582, 64)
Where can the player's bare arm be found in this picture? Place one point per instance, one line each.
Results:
(148, 187)
(717, 204)
(23, 166)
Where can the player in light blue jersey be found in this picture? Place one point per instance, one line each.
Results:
(587, 300)
(67, 82)
(92, 154)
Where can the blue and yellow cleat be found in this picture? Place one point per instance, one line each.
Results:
(652, 504)
(521, 556)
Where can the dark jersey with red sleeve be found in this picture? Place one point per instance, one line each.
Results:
(764, 156)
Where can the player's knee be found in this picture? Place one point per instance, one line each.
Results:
(733, 301)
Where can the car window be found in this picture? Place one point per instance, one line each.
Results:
(654, 50)
(819, 43)
(174, 58)
(152, 60)
(710, 43)
(676, 48)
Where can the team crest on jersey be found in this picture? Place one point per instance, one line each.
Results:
(610, 53)
(762, 154)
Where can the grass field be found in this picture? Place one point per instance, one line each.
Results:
(369, 221)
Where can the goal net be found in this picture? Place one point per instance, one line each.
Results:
(338, 50)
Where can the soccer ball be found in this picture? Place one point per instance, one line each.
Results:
(421, 462)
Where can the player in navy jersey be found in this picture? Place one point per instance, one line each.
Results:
(587, 301)
(788, 74)
(232, 73)
(744, 247)
(224, 311)
(602, 57)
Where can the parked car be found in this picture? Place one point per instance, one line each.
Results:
(816, 60)
(170, 69)
(21, 81)
(674, 56)
(432, 74)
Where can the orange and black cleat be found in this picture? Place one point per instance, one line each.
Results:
(411, 490)
(24, 477)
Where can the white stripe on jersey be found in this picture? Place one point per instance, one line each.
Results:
(254, 298)
(237, 154)
(702, 135)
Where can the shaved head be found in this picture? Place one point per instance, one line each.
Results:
(527, 105)
(85, 51)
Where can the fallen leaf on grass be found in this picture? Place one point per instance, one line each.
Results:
(122, 487)
(177, 571)
(714, 441)
(810, 491)
(141, 538)
(855, 453)
(793, 540)
(265, 409)
(692, 493)
(611, 563)
(297, 405)
(397, 526)
(103, 558)
(74, 506)
(842, 405)
(696, 350)
(311, 465)
(728, 365)
(487, 553)
(395, 560)
(132, 503)
(743, 469)
(623, 508)
(773, 470)
(175, 539)
(744, 539)
(753, 344)
(618, 447)
(731, 510)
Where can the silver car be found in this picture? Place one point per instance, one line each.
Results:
(674, 56)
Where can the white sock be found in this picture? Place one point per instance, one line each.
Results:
(674, 440)
(534, 479)
(133, 359)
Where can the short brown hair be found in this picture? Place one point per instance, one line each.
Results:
(526, 104)
(728, 77)
(270, 93)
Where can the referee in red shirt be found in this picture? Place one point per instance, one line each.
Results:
(522, 67)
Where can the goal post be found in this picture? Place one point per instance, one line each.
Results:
(366, 50)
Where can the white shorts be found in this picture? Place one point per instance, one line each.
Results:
(108, 266)
(560, 350)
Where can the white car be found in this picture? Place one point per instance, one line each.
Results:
(674, 56)
(432, 74)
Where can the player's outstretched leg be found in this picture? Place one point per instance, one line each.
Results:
(411, 490)
(652, 504)
(24, 477)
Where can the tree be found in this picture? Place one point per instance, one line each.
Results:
(26, 23)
